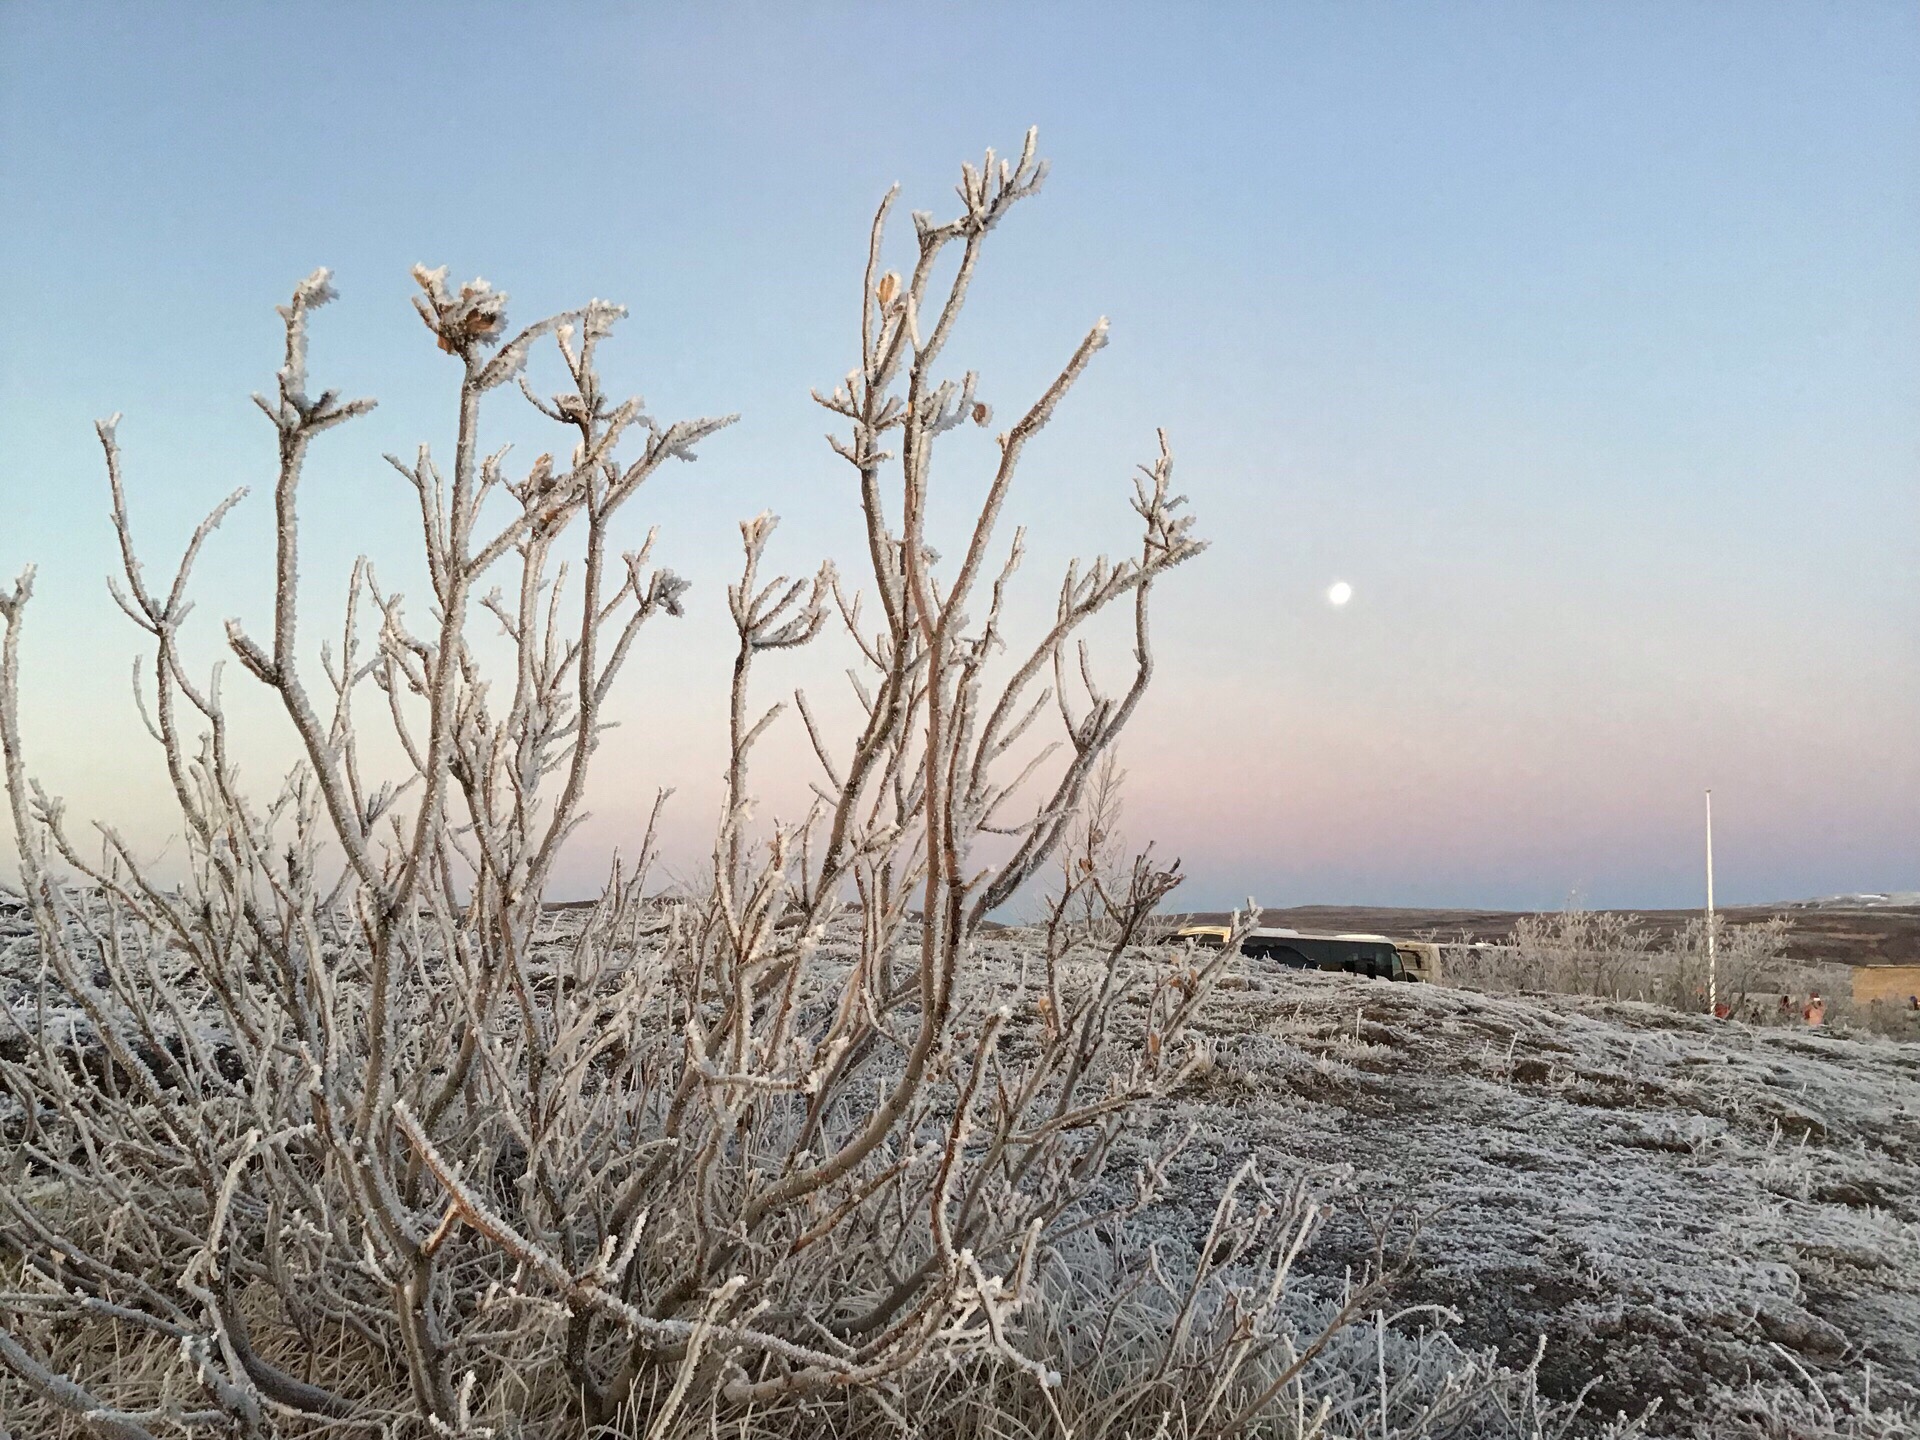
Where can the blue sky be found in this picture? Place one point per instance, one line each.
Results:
(1583, 340)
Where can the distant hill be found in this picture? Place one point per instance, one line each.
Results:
(1863, 900)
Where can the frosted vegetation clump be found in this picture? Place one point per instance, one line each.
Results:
(346, 1132)
(1755, 975)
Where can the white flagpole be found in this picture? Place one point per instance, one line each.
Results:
(1713, 976)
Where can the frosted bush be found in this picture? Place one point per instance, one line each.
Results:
(346, 1131)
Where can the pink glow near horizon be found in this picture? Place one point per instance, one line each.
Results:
(1585, 349)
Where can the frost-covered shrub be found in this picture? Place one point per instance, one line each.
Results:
(1615, 957)
(347, 1132)
(1809, 1410)
(1604, 953)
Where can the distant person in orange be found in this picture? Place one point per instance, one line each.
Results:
(1816, 1011)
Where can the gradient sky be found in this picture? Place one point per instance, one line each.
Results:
(1582, 340)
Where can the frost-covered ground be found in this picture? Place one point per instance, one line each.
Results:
(1682, 1207)
(1690, 1212)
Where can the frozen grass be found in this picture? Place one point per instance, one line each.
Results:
(1622, 1209)
(1685, 1209)
(1134, 1312)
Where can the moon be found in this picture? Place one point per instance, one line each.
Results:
(1339, 593)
